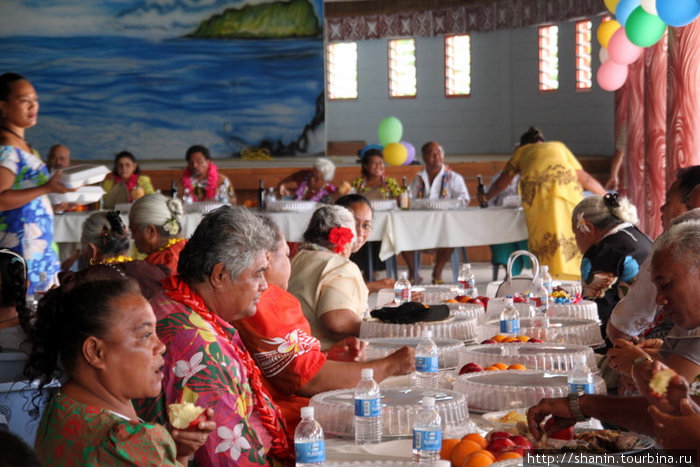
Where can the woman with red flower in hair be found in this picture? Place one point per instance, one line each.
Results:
(330, 287)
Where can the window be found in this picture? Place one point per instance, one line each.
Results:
(458, 79)
(402, 68)
(584, 73)
(341, 70)
(549, 58)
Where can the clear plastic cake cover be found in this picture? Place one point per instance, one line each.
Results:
(550, 357)
(560, 331)
(448, 349)
(450, 328)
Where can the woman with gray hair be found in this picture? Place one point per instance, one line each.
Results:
(156, 227)
(613, 249)
(311, 184)
(330, 287)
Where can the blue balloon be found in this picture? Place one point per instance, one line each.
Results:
(677, 13)
(368, 147)
(625, 8)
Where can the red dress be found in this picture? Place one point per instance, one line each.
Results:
(279, 338)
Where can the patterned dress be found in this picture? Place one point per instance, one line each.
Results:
(28, 229)
(76, 434)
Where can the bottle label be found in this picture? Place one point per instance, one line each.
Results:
(368, 407)
(427, 440)
(585, 387)
(311, 452)
(427, 363)
(510, 326)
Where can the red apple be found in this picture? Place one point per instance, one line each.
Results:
(566, 434)
(475, 300)
(470, 367)
(498, 445)
(518, 450)
(521, 442)
(536, 341)
(489, 341)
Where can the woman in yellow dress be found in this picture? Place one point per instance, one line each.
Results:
(551, 185)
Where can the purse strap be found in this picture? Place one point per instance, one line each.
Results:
(511, 260)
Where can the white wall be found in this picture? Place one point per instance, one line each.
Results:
(504, 101)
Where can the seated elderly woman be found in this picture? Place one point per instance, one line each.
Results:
(14, 314)
(101, 337)
(373, 183)
(156, 227)
(613, 249)
(125, 184)
(279, 338)
(202, 180)
(329, 286)
(312, 184)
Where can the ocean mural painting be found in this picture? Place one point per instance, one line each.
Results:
(155, 76)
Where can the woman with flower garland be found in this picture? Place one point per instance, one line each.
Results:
(330, 287)
(156, 227)
(374, 184)
(201, 179)
(312, 184)
(125, 184)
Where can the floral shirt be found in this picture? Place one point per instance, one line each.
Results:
(28, 229)
(389, 189)
(202, 367)
(75, 434)
(324, 195)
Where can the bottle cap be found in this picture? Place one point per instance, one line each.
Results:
(428, 333)
(544, 268)
(428, 401)
(508, 301)
(307, 412)
(367, 373)
(403, 275)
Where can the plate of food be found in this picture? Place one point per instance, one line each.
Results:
(506, 418)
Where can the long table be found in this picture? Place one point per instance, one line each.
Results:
(397, 230)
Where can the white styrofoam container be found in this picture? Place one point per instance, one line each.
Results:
(83, 174)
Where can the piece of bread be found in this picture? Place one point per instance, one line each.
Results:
(660, 381)
(185, 415)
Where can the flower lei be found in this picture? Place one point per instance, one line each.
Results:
(170, 243)
(129, 182)
(340, 236)
(116, 259)
(302, 190)
(444, 182)
(269, 413)
(211, 180)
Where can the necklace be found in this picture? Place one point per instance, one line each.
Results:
(3, 127)
(116, 259)
(170, 243)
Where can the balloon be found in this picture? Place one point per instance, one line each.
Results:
(606, 30)
(677, 13)
(644, 29)
(611, 75)
(603, 55)
(621, 50)
(368, 147)
(624, 8)
(410, 152)
(649, 6)
(395, 153)
(611, 5)
(389, 131)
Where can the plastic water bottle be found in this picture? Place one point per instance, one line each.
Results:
(546, 279)
(270, 197)
(540, 295)
(427, 433)
(427, 362)
(510, 319)
(309, 445)
(187, 197)
(467, 284)
(402, 289)
(368, 410)
(580, 377)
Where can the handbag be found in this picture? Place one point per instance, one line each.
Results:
(521, 284)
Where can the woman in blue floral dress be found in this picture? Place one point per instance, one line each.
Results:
(26, 216)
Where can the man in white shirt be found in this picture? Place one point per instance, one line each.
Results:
(436, 181)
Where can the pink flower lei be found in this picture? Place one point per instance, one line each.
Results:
(340, 236)
(212, 179)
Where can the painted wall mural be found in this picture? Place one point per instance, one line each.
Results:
(156, 76)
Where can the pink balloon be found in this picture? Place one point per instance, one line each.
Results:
(611, 75)
(621, 50)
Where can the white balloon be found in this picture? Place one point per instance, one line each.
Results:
(603, 55)
(649, 6)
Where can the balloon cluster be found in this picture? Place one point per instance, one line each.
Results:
(638, 24)
(396, 152)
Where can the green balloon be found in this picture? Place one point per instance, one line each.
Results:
(644, 29)
(389, 131)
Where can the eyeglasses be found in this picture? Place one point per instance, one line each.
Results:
(366, 226)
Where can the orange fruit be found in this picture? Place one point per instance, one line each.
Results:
(491, 368)
(477, 438)
(447, 445)
(477, 459)
(517, 366)
(451, 300)
(500, 366)
(461, 450)
(510, 339)
(508, 455)
(523, 338)
(498, 337)
(488, 453)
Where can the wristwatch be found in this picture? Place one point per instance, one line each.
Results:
(574, 406)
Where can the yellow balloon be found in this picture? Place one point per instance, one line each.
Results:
(611, 5)
(395, 154)
(606, 30)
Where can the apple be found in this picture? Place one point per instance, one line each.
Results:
(566, 434)
(535, 341)
(498, 445)
(499, 434)
(186, 415)
(521, 442)
(470, 367)
(518, 450)
(475, 300)
(489, 341)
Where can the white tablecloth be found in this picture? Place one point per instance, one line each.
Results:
(397, 230)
